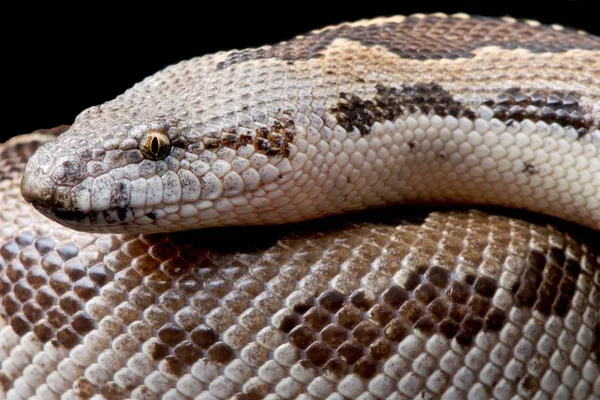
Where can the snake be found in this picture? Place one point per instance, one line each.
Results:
(395, 208)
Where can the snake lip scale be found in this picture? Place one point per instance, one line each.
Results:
(115, 290)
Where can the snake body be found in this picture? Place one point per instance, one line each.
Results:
(425, 109)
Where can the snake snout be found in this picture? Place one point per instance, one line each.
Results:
(47, 180)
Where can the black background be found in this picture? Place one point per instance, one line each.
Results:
(58, 62)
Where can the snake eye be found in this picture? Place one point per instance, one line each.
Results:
(155, 145)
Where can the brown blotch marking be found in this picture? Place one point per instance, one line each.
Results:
(432, 41)
(365, 333)
(349, 316)
(395, 296)
(67, 337)
(303, 306)
(438, 308)
(381, 314)
(438, 276)
(469, 328)
(204, 336)
(273, 140)
(558, 107)
(529, 168)
(425, 293)
(350, 352)
(334, 335)
(390, 102)
(426, 325)
(221, 353)
(457, 312)
(526, 295)
(596, 345)
(366, 368)
(43, 331)
(396, 330)
(336, 367)
(173, 366)
(332, 300)
(449, 328)
(317, 318)
(10, 304)
(479, 305)
(381, 349)
(302, 337)
(56, 317)
(485, 286)
(458, 292)
(536, 259)
(361, 300)
(20, 324)
(288, 323)
(157, 350)
(318, 353)
(412, 310)
(171, 334)
(32, 311)
(84, 389)
(187, 352)
(70, 303)
(83, 323)
(494, 320)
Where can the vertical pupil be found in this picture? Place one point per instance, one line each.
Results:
(154, 145)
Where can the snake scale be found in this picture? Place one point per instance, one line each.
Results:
(114, 296)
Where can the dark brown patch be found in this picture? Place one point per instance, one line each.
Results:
(395, 296)
(396, 330)
(204, 336)
(187, 352)
(558, 107)
(425, 293)
(157, 350)
(366, 368)
(449, 328)
(334, 335)
(317, 318)
(361, 300)
(67, 337)
(381, 314)
(426, 325)
(412, 310)
(389, 103)
(431, 37)
(350, 352)
(349, 317)
(336, 367)
(332, 300)
(512, 105)
(272, 140)
(171, 334)
(302, 337)
(458, 292)
(220, 353)
(289, 322)
(438, 276)
(485, 286)
(318, 353)
(494, 321)
(365, 333)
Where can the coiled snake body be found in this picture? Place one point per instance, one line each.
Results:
(399, 304)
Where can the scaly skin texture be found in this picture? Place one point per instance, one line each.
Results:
(419, 109)
(457, 305)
